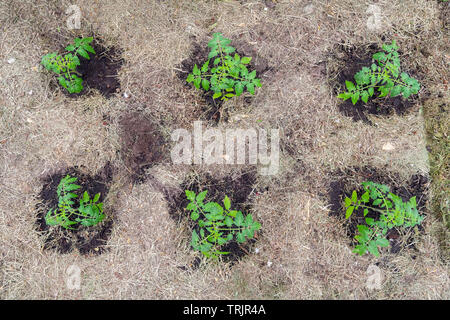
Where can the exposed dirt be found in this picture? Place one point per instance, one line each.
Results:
(142, 144)
(348, 61)
(238, 188)
(100, 72)
(214, 111)
(85, 239)
(344, 182)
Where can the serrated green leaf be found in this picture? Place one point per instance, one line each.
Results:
(205, 84)
(349, 212)
(201, 196)
(227, 203)
(190, 195)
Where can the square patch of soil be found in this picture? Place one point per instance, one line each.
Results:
(239, 189)
(343, 64)
(343, 182)
(101, 70)
(143, 145)
(86, 239)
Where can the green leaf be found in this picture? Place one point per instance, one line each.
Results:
(229, 50)
(217, 95)
(228, 222)
(347, 201)
(360, 249)
(233, 213)
(213, 53)
(196, 71)
(344, 95)
(251, 88)
(355, 97)
(201, 196)
(62, 81)
(365, 197)
(373, 249)
(354, 196)
(194, 240)
(205, 66)
(227, 203)
(190, 195)
(246, 60)
(349, 85)
(70, 47)
(190, 78)
(197, 82)
(240, 238)
(205, 84)
(239, 220)
(83, 53)
(239, 88)
(379, 56)
(88, 48)
(396, 91)
(382, 242)
(251, 75)
(349, 212)
(377, 202)
(365, 96)
(213, 208)
(195, 215)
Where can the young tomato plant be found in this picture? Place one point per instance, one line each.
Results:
(385, 75)
(65, 65)
(394, 213)
(89, 212)
(217, 225)
(227, 76)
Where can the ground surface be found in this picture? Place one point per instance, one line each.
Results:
(303, 251)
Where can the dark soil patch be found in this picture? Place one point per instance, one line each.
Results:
(238, 188)
(213, 110)
(85, 239)
(142, 144)
(344, 182)
(347, 61)
(100, 72)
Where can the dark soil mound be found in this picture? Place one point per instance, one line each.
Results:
(142, 144)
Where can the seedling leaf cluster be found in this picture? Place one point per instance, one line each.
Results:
(393, 213)
(65, 65)
(89, 212)
(217, 224)
(228, 75)
(384, 76)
